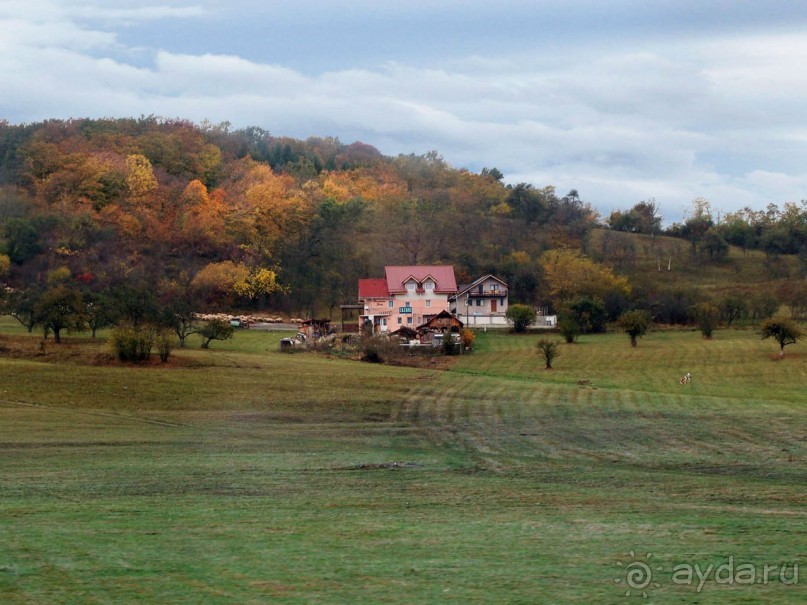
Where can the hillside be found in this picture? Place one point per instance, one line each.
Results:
(130, 208)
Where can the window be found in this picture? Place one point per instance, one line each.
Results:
(391, 303)
(399, 321)
(409, 320)
(428, 303)
(478, 302)
(410, 286)
(428, 284)
(494, 287)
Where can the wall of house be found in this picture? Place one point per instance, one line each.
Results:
(415, 308)
(474, 305)
(409, 309)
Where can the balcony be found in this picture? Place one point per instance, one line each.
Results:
(500, 293)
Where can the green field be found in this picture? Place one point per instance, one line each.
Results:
(243, 475)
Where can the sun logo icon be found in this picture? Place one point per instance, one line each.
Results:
(638, 575)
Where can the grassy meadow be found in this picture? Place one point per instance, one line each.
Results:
(244, 475)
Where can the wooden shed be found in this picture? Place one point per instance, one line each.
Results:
(442, 322)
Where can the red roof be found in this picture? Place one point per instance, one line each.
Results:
(373, 288)
(443, 276)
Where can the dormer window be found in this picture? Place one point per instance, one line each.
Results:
(428, 284)
(411, 285)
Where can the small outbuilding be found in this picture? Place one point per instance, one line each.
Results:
(315, 328)
(444, 321)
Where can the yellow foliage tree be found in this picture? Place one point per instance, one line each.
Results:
(140, 179)
(278, 210)
(569, 274)
(222, 282)
(5, 265)
(219, 282)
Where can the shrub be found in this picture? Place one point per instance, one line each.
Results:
(568, 328)
(165, 343)
(707, 316)
(589, 314)
(521, 316)
(451, 346)
(549, 350)
(634, 324)
(130, 343)
(378, 349)
(467, 337)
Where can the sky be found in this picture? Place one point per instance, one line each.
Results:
(622, 100)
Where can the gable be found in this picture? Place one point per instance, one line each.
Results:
(485, 280)
(441, 275)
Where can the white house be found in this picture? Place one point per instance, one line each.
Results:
(481, 303)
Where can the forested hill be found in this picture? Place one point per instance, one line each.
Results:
(244, 218)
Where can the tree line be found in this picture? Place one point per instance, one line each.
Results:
(128, 219)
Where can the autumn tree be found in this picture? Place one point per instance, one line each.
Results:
(220, 282)
(140, 179)
(226, 281)
(201, 219)
(5, 266)
(276, 211)
(569, 274)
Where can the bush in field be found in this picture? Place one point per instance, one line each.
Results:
(378, 349)
(217, 329)
(568, 328)
(467, 337)
(549, 350)
(130, 343)
(589, 314)
(634, 324)
(707, 316)
(165, 343)
(521, 316)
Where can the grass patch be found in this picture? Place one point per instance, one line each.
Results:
(244, 475)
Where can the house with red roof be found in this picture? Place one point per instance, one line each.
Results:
(407, 296)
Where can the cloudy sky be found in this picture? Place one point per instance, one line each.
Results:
(623, 100)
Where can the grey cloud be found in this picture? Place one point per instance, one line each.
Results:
(718, 117)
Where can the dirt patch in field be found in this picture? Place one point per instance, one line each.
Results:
(392, 466)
